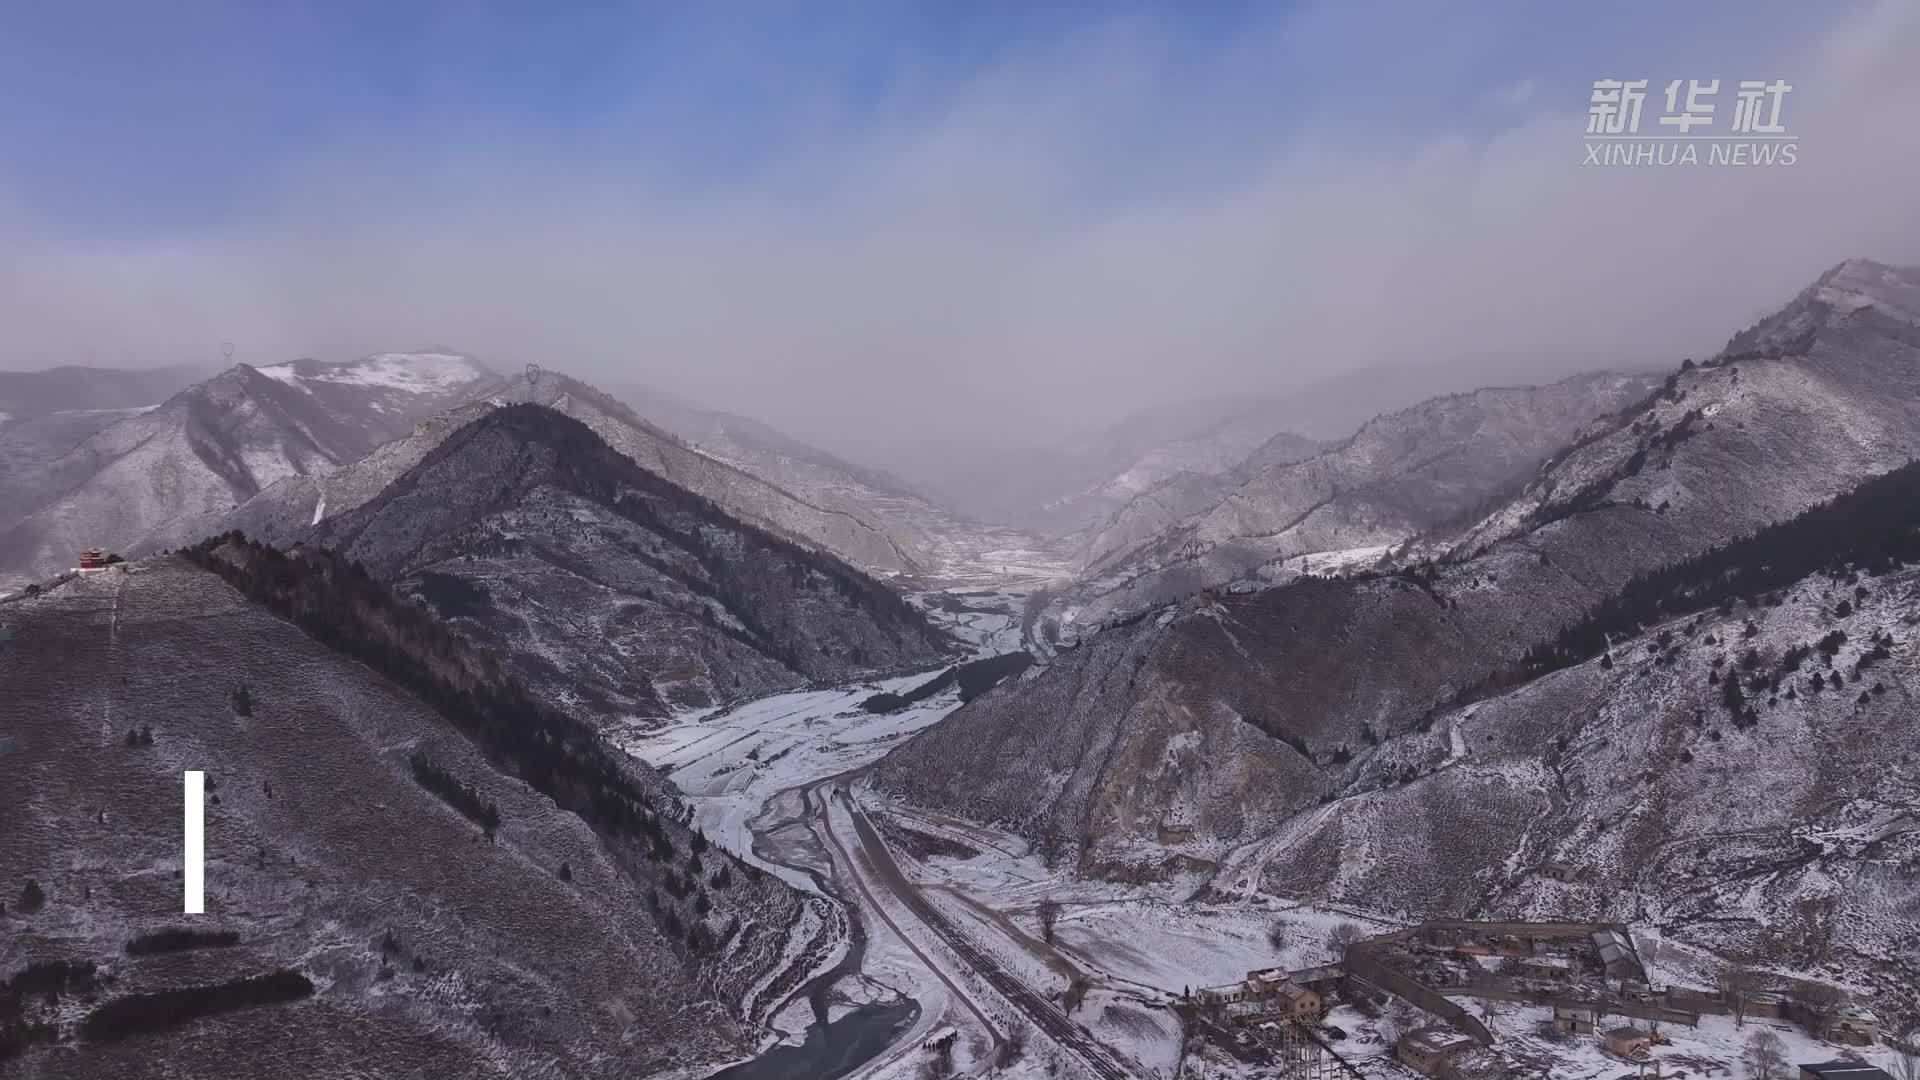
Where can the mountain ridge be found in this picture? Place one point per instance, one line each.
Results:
(165, 476)
(1279, 681)
(689, 606)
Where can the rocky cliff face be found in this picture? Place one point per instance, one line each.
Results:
(612, 589)
(1157, 746)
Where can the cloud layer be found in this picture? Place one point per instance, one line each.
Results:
(1012, 270)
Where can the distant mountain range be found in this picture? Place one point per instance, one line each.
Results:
(1065, 486)
(28, 394)
(1399, 475)
(1321, 736)
(164, 476)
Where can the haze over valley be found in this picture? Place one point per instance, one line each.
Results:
(988, 550)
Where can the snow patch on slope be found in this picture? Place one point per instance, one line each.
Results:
(417, 373)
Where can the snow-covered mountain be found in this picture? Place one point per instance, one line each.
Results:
(1066, 486)
(848, 531)
(1725, 754)
(609, 588)
(748, 469)
(762, 449)
(45, 414)
(164, 476)
(1173, 455)
(1163, 741)
(1399, 475)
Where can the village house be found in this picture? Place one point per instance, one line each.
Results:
(1617, 957)
(1427, 1050)
(1693, 1000)
(1560, 871)
(1544, 968)
(1630, 1043)
(1851, 1025)
(1265, 981)
(1574, 1018)
(1299, 1002)
(1273, 988)
(1320, 978)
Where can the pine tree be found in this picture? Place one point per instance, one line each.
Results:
(1734, 697)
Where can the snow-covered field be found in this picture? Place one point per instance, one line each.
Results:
(988, 620)
(733, 763)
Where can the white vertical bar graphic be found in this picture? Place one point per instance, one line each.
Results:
(193, 858)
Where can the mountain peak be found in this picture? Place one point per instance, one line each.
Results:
(1847, 289)
(1859, 283)
(434, 372)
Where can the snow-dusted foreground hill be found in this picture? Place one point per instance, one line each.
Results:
(1791, 836)
(557, 947)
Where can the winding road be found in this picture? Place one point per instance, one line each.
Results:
(1044, 1014)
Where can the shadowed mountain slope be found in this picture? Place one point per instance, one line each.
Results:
(609, 588)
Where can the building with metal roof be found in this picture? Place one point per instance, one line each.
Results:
(1844, 1070)
(1618, 957)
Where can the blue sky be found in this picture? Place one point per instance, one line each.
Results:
(133, 115)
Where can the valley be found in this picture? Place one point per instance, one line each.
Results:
(1086, 796)
(932, 541)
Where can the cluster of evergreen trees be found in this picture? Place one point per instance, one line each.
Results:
(462, 796)
(180, 939)
(1872, 529)
(340, 605)
(136, 1014)
(975, 677)
(51, 978)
